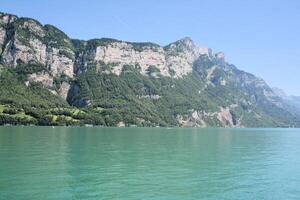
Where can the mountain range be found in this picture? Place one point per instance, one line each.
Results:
(47, 78)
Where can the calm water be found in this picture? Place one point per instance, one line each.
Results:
(151, 163)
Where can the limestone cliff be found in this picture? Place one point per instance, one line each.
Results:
(24, 41)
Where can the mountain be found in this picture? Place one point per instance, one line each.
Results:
(46, 78)
(293, 101)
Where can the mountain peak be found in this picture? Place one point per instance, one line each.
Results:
(186, 41)
(7, 18)
(220, 56)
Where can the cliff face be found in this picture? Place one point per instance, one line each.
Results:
(208, 90)
(174, 60)
(26, 41)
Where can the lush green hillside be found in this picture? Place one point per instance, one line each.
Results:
(34, 104)
(107, 99)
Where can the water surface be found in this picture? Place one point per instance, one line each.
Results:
(148, 163)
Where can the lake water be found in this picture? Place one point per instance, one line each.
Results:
(148, 163)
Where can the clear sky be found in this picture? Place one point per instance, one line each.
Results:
(258, 36)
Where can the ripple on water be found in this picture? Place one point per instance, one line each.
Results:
(104, 163)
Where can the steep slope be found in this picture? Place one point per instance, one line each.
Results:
(42, 52)
(295, 101)
(292, 101)
(110, 82)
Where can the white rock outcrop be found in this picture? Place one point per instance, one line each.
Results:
(181, 55)
(41, 77)
(174, 60)
(64, 89)
(122, 53)
(31, 48)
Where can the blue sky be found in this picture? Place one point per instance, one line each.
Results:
(258, 36)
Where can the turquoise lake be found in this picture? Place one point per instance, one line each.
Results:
(148, 163)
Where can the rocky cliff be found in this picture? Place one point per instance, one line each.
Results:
(179, 84)
(26, 41)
